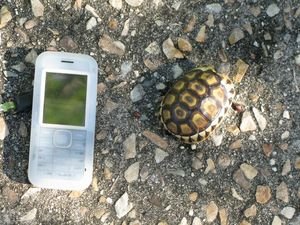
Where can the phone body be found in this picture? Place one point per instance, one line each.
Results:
(63, 121)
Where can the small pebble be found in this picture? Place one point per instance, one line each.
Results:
(129, 146)
(184, 45)
(297, 163)
(177, 71)
(297, 59)
(5, 16)
(126, 68)
(286, 168)
(211, 211)
(183, 221)
(250, 212)
(272, 10)
(282, 192)
(267, 149)
(272, 162)
(224, 161)
(134, 3)
(160, 86)
(201, 35)
(236, 144)
(288, 212)
(31, 57)
(236, 195)
(125, 28)
(123, 206)
(197, 163)
(91, 23)
(210, 166)
(214, 8)
(160, 155)
(111, 46)
(132, 172)
(196, 221)
(249, 171)
(153, 48)
(262, 122)
(285, 135)
(4, 132)
(37, 8)
(241, 180)
(30, 24)
(155, 139)
(117, 4)
(217, 139)
(263, 194)
(137, 93)
(276, 221)
(68, 43)
(29, 216)
(247, 123)
(278, 54)
(223, 215)
(170, 51)
(236, 35)
(193, 196)
(286, 114)
(190, 25)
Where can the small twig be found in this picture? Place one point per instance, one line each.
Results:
(114, 184)
(295, 80)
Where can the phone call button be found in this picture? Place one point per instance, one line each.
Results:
(62, 138)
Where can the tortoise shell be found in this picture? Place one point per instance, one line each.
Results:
(196, 104)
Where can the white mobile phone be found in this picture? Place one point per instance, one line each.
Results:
(63, 121)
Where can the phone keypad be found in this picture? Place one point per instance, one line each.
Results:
(67, 162)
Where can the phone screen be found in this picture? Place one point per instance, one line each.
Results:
(65, 99)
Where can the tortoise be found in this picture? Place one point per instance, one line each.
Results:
(196, 104)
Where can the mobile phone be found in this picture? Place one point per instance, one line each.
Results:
(63, 121)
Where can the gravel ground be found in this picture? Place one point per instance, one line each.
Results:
(247, 173)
